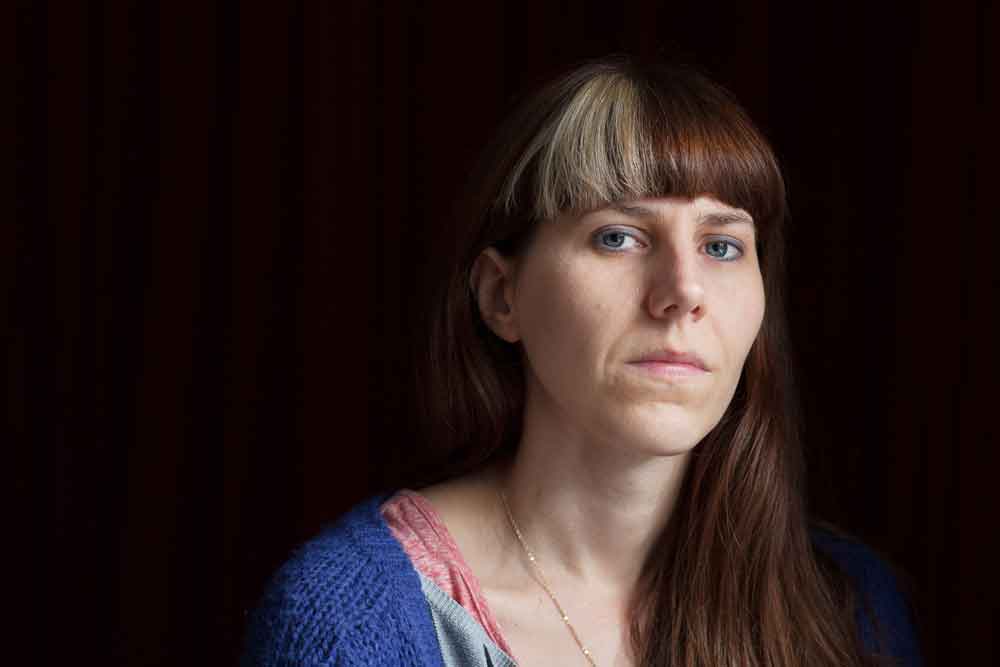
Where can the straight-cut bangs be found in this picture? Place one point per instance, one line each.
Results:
(616, 131)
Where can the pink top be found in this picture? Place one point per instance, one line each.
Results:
(431, 548)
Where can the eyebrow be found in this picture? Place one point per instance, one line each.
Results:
(712, 218)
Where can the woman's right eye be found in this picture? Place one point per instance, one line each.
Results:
(615, 239)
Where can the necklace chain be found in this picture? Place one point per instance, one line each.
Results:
(544, 582)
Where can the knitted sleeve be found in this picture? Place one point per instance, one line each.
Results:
(344, 599)
(884, 614)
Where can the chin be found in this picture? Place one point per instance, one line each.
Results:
(659, 438)
(665, 432)
(669, 446)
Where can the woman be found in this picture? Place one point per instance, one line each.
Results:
(608, 382)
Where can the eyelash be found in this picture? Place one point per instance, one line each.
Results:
(731, 242)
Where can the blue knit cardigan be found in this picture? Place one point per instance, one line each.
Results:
(351, 596)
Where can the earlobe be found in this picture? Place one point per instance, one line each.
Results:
(490, 281)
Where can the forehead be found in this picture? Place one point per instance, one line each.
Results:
(708, 209)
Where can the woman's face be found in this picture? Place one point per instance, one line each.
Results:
(597, 298)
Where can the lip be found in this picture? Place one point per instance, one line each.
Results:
(672, 371)
(672, 362)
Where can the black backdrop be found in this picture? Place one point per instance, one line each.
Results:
(227, 220)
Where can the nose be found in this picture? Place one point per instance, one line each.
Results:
(677, 287)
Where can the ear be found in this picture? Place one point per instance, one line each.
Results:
(492, 285)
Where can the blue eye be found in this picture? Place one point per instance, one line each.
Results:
(719, 249)
(615, 239)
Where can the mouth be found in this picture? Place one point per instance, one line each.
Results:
(673, 361)
(667, 369)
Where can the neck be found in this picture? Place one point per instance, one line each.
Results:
(590, 512)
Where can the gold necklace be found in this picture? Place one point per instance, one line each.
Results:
(544, 582)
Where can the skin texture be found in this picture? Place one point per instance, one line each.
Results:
(605, 444)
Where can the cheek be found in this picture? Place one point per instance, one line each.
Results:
(563, 320)
(742, 323)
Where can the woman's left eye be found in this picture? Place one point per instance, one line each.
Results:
(721, 249)
(616, 239)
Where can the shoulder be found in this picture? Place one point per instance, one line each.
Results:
(883, 611)
(348, 596)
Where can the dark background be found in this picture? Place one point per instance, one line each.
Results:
(227, 220)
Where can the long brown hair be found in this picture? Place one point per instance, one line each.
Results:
(734, 578)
